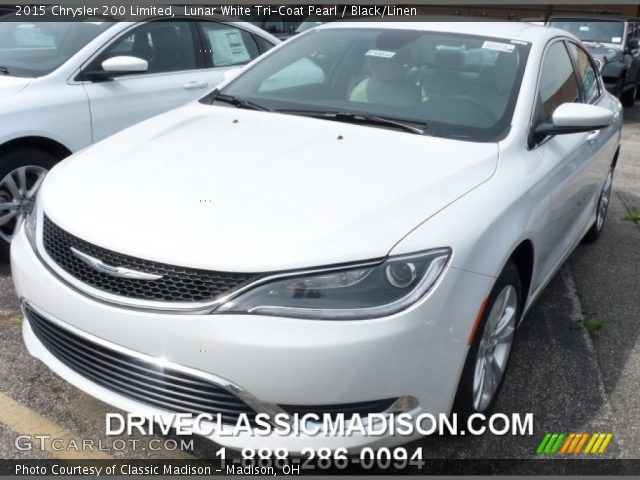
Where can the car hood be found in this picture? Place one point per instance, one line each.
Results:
(604, 52)
(11, 85)
(238, 190)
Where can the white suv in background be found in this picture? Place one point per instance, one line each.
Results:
(65, 85)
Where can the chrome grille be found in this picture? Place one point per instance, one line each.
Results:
(178, 284)
(135, 378)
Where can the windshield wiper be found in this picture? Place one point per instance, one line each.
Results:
(4, 70)
(235, 101)
(362, 119)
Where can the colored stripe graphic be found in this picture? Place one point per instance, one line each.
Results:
(572, 443)
(606, 441)
(592, 440)
(543, 443)
(556, 446)
(550, 443)
(567, 442)
(582, 442)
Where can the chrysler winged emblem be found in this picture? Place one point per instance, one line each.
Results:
(120, 272)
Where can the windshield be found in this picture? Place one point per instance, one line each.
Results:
(592, 30)
(38, 48)
(461, 86)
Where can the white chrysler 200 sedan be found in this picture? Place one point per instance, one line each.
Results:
(66, 85)
(355, 224)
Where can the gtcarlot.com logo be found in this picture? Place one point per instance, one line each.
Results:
(574, 443)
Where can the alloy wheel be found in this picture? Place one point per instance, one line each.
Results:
(495, 347)
(17, 194)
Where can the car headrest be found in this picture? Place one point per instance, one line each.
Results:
(505, 70)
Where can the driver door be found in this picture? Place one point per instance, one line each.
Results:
(565, 159)
(176, 75)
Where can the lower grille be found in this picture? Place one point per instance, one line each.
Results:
(135, 378)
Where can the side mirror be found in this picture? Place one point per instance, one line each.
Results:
(118, 66)
(124, 64)
(574, 118)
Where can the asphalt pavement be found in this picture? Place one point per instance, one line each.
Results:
(572, 378)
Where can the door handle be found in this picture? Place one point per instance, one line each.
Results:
(195, 85)
(591, 138)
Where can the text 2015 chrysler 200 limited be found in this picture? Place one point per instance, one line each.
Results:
(356, 223)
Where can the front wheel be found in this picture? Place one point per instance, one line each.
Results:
(21, 174)
(601, 210)
(490, 351)
(619, 88)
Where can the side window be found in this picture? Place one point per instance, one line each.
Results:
(586, 73)
(558, 82)
(167, 46)
(228, 45)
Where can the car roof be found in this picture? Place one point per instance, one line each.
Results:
(508, 30)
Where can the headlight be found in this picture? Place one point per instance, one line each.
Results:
(347, 293)
(31, 224)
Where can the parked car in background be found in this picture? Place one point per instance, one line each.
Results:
(313, 21)
(65, 85)
(371, 239)
(614, 43)
(316, 20)
(279, 26)
(534, 20)
(6, 10)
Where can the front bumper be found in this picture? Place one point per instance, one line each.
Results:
(417, 353)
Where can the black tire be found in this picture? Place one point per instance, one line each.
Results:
(628, 98)
(11, 161)
(619, 88)
(598, 225)
(464, 401)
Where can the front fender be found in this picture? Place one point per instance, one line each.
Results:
(49, 111)
(484, 227)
